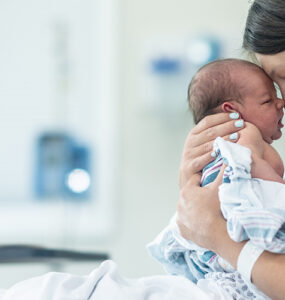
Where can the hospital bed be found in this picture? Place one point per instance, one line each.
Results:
(103, 283)
(106, 283)
(32, 254)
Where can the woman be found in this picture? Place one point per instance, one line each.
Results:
(199, 216)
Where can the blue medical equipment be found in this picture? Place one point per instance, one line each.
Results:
(62, 167)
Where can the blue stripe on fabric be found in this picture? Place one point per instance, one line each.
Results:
(210, 178)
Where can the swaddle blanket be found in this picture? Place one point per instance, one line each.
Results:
(254, 209)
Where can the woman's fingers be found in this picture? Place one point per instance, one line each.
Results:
(197, 145)
(202, 132)
(198, 148)
(224, 129)
(207, 130)
(192, 167)
(196, 159)
(214, 120)
(208, 147)
(211, 121)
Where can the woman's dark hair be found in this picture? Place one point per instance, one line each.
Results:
(265, 27)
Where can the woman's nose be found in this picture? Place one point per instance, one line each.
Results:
(281, 85)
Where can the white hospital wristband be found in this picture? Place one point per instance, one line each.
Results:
(247, 258)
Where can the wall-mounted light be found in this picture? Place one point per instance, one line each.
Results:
(202, 50)
(78, 181)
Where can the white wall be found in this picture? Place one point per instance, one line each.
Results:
(152, 147)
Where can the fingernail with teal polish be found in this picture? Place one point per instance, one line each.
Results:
(234, 136)
(213, 154)
(234, 115)
(239, 123)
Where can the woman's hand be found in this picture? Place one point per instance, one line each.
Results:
(199, 219)
(198, 213)
(199, 216)
(199, 143)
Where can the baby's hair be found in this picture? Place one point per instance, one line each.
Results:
(213, 85)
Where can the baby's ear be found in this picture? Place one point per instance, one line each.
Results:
(229, 107)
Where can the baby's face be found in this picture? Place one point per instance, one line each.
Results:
(260, 105)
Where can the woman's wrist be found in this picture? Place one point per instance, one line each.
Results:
(267, 270)
(224, 246)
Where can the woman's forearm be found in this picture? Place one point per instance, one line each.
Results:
(224, 245)
(268, 273)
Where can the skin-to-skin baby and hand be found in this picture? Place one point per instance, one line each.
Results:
(199, 143)
(200, 220)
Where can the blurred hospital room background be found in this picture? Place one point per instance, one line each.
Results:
(93, 121)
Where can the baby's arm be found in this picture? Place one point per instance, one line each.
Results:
(251, 138)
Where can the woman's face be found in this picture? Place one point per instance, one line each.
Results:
(274, 66)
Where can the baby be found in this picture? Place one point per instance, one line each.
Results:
(237, 86)
(233, 85)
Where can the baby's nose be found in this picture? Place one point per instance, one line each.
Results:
(280, 103)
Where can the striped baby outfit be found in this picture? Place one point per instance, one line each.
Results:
(254, 209)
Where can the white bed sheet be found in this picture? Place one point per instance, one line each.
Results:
(106, 283)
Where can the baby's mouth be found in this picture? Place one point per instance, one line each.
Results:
(280, 124)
